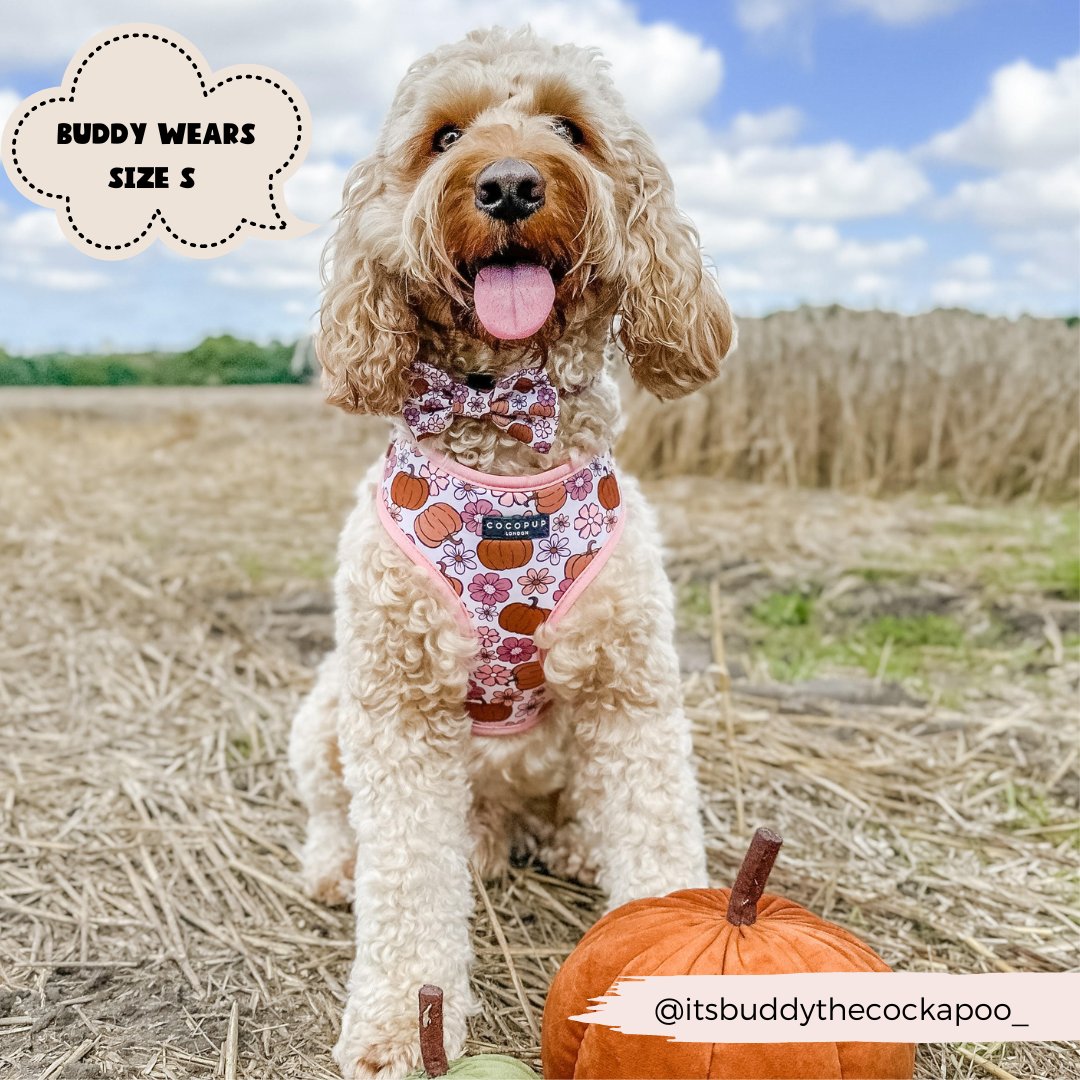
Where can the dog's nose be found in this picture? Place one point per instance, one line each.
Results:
(509, 190)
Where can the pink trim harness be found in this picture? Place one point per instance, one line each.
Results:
(511, 552)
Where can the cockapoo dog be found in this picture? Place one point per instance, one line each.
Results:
(504, 624)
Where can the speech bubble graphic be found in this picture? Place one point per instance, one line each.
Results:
(143, 142)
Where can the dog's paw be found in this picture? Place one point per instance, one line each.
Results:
(491, 849)
(334, 888)
(379, 1039)
(384, 1063)
(568, 855)
(329, 867)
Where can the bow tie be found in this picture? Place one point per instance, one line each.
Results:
(523, 404)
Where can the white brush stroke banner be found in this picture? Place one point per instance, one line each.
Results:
(845, 1007)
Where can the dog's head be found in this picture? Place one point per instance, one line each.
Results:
(511, 205)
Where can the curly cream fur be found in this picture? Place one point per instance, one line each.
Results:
(401, 797)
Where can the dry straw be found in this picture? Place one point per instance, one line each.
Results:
(879, 403)
(151, 918)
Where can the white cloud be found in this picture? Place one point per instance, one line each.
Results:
(8, 100)
(904, 12)
(1030, 119)
(962, 292)
(721, 234)
(885, 253)
(829, 180)
(815, 238)
(291, 267)
(1019, 198)
(753, 129)
(314, 192)
(1052, 251)
(764, 16)
(1026, 129)
(68, 280)
(765, 263)
(974, 266)
(760, 16)
(771, 211)
(33, 231)
(347, 56)
(33, 252)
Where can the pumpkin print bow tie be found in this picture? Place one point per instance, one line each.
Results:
(524, 404)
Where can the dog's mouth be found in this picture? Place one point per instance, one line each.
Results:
(513, 293)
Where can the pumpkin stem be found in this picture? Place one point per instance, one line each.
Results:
(753, 874)
(431, 1031)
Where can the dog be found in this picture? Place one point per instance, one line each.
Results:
(511, 240)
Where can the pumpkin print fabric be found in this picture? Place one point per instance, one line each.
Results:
(546, 536)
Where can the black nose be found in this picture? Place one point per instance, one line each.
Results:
(509, 190)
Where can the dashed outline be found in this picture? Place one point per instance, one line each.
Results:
(157, 213)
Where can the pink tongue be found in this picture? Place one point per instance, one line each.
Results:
(513, 301)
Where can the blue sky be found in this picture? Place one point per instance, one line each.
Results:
(899, 153)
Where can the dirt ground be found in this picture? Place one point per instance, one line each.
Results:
(904, 712)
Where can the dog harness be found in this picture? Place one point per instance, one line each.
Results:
(511, 553)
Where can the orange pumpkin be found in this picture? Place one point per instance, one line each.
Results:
(521, 432)
(454, 583)
(607, 491)
(409, 491)
(504, 554)
(528, 675)
(488, 712)
(577, 563)
(536, 409)
(523, 618)
(709, 932)
(548, 500)
(439, 521)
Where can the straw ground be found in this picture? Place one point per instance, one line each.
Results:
(903, 712)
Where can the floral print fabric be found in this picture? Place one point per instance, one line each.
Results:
(523, 404)
(506, 587)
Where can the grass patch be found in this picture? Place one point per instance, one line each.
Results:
(316, 567)
(1020, 549)
(785, 609)
(796, 645)
(253, 566)
(791, 638)
(1027, 808)
(215, 361)
(914, 631)
(242, 748)
(1062, 578)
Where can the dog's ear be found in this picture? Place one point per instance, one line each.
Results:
(367, 331)
(676, 327)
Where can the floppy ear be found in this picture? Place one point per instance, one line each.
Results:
(676, 327)
(367, 331)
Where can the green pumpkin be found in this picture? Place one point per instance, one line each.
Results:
(485, 1067)
(480, 1067)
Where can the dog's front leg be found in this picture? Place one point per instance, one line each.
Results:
(613, 664)
(403, 736)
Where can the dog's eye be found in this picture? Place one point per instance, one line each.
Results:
(445, 137)
(568, 130)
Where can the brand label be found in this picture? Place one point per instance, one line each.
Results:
(522, 527)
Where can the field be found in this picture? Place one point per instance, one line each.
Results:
(903, 711)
